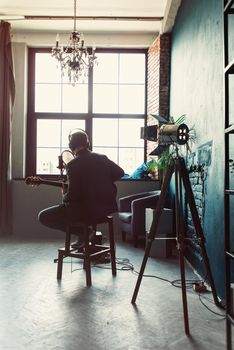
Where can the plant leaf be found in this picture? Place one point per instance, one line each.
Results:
(180, 120)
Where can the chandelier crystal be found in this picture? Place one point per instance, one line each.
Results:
(75, 60)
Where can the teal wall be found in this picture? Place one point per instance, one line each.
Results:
(197, 91)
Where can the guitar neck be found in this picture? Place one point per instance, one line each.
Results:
(36, 181)
(52, 183)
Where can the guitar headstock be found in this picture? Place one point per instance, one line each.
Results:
(33, 180)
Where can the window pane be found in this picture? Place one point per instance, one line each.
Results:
(129, 132)
(130, 159)
(48, 133)
(47, 98)
(75, 98)
(52, 139)
(132, 68)
(132, 99)
(54, 132)
(47, 70)
(111, 153)
(106, 71)
(67, 127)
(47, 160)
(105, 132)
(105, 98)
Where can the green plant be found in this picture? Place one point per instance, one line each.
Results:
(152, 165)
(163, 162)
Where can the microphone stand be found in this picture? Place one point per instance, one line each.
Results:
(61, 168)
(62, 177)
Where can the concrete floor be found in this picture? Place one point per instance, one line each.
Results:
(37, 312)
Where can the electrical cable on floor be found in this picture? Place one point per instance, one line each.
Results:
(126, 265)
(124, 262)
(101, 264)
(153, 276)
(207, 307)
(77, 269)
(189, 283)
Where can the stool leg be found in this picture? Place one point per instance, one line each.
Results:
(63, 253)
(112, 247)
(60, 265)
(87, 258)
(67, 240)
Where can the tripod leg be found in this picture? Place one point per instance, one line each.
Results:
(180, 230)
(198, 228)
(184, 295)
(154, 226)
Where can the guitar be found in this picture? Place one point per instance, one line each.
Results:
(36, 181)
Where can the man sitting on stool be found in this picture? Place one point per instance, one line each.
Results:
(90, 192)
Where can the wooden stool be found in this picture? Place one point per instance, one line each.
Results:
(87, 255)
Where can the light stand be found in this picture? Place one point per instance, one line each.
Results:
(178, 168)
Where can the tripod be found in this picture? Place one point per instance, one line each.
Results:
(177, 166)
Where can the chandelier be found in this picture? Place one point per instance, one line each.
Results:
(75, 60)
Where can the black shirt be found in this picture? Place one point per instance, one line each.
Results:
(91, 187)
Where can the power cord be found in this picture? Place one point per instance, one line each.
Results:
(125, 265)
(207, 307)
(189, 283)
(103, 263)
(196, 285)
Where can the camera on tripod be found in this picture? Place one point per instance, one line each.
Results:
(175, 134)
(165, 133)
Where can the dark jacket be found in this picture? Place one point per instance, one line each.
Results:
(91, 187)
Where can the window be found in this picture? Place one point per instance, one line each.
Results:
(120, 140)
(110, 105)
(52, 136)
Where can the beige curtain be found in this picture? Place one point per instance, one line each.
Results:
(7, 94)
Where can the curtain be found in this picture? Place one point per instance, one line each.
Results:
(7, 95)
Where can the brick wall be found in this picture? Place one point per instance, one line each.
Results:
(158, 81)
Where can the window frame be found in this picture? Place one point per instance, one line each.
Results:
(32, 116)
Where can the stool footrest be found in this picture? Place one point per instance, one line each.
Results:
(92, 250)
(75, 254)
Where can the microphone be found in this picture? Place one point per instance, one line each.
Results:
(65, 157)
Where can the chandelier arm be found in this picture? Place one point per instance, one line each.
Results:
(74, 15)
(85, 63)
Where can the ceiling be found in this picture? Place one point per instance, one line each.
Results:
(124, 16)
